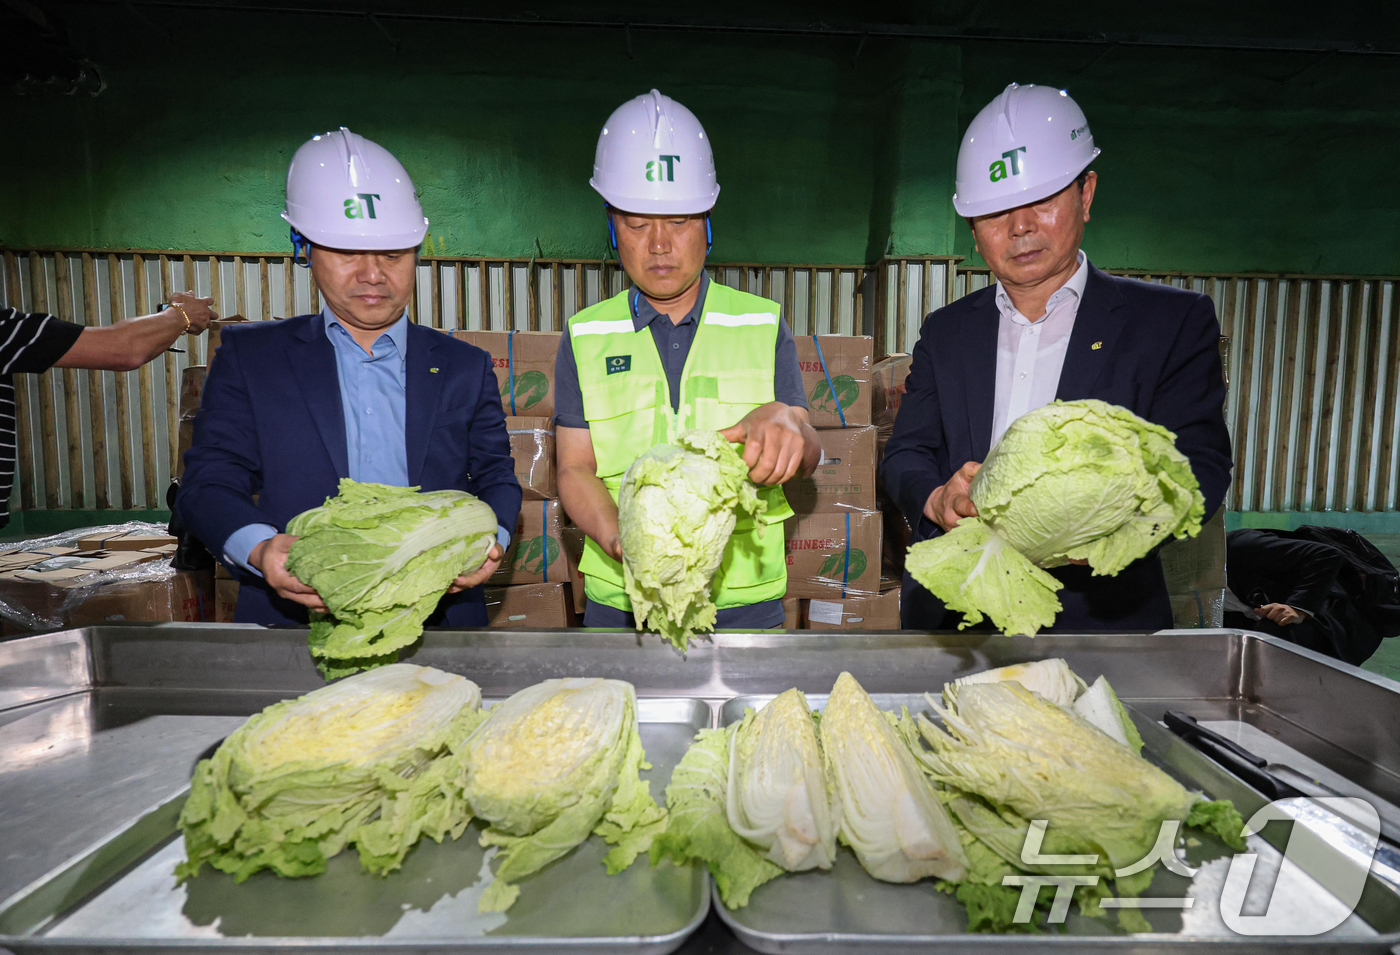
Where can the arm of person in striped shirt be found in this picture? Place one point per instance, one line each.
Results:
(130, 343)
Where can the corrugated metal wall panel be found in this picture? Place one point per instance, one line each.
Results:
(1314, 366)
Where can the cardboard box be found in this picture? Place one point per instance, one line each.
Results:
(527, 359)
(182, 444)
(1195, 572)
(854, 613)
(531, 606)
(536, 552)
(792, 613)
(845, 479)
(819, 553)
(887, 387)
(128, 541)
(42, 592)
(848, 362)
(216, 329)
(225, 599)
(532, 447)
(187, 596)
(191, 389)
(573, 553)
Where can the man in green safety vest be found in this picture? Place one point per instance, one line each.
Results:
(674, 351)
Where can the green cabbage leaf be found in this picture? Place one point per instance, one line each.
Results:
(381, 557)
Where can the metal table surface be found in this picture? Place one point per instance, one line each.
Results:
(88, 741)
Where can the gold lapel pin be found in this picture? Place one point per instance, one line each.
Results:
(434, 370)
(1094, 347)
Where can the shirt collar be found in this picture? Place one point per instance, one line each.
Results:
(643, 313)
(1074, 287)
(397, 332)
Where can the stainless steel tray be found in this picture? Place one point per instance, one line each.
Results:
(121, 893)
(844, 909)
(100, 724)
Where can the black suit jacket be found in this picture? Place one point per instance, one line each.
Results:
(1270, 567)
(1152, 349)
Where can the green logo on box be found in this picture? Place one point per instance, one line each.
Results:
(530, 389)
(822, 399)
(530, 557)
(617, 363)
(832, 566)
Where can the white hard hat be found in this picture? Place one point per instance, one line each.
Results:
(345, 192)
(1028, 143)
(654, 157)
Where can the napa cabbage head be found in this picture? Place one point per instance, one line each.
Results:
(677, 507)
(1036, 759)
(890, 814)
(778, 797)
(550, 765)
(753, 800)
(1071, 481)
(367, 760)
(381, 557)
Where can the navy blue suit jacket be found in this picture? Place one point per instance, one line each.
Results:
(270, 424)
(1152, 349)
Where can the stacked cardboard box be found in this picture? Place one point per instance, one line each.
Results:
(833, 544)
(191, 390)
(524, 363)
(225, 595)
(535, 569)
(532, 447)
(836, 378)
(98, 579)
(834, 555)
(216, 329)
(530, 607)
(880, 612)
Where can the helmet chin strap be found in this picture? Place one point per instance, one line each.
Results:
(301, 245)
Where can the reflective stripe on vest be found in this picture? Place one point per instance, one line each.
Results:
(626, 400)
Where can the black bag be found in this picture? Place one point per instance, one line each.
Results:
(1370, 580)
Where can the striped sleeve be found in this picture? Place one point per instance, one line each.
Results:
(33, 341)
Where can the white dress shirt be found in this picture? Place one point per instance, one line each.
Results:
(1030, 354)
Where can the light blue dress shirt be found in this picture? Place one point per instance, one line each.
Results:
(373, 399)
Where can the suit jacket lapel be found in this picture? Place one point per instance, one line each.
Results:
(423, 391)
(980, 371)
(312, 361)
(1091, 342)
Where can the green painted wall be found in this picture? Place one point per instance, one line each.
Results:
(1216, 161)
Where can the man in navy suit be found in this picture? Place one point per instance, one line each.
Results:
(291, 407)
(1053, 327)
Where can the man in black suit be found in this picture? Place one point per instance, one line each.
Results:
(1288, 587)
(1053, 326)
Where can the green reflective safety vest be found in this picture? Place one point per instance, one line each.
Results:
(626, 399)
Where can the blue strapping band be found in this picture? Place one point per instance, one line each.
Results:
(834, 397)
(846, 567)
(544, 537)
(510, 367)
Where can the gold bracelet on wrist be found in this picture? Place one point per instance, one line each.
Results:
(188, 323)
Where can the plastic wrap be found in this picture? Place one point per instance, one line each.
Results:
(76, 590)
(532, 447)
